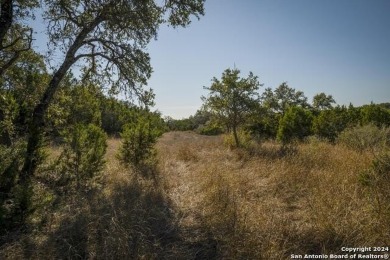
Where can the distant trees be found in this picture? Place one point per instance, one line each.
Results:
(232, 99)
(322, 101)
(284, 113)
(282, 98)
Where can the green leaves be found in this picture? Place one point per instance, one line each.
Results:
(82, 158)
(232, 99)
(295, 124)
(139, 138)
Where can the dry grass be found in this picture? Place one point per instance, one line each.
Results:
(206, 201)
(261, 204)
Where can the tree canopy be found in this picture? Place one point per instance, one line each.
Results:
(232, 98)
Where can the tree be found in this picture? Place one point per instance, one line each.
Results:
(232, 98)
(15, 38)
(107, 39)
(322, 101)
(282, 98)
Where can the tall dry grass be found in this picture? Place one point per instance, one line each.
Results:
(206, 201)
(264, 204)
(124, 215)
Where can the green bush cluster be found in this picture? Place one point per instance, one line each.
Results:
(82, 158)
(139, 138)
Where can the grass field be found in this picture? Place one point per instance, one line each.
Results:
(203, 200)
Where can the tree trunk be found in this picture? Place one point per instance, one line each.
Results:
(5, 137)
(236, 136)
(36, 128)
(6, 17)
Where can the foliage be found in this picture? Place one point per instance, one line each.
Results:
(15, 35)
(375, 114)
(185, 124)
(108, 40)
(74, 104)
(295, 124)
(322, 101)
(282, 98)
(115, 113)
(139, 137)
(210, 128)
(8, 113)
(11, 157)
(367, 137)
(232, 99)
(330, 122)
(82, 158)
(263, 124)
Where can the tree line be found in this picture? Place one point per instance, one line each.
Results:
(234, 104)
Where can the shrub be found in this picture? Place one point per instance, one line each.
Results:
(82, 158)
(11, 157)
(329, 123)
(209, 129)
(139, 138)
(375, 114)
(367, 137)
(295, 124)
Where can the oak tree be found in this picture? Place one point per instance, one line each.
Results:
(107, 39)
(232, 99)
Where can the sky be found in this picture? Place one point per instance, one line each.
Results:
(340, 47)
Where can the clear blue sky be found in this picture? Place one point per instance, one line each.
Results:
(337, 47)
(340, 47)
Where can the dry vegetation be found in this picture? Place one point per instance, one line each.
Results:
(205, 201)
(262, 204)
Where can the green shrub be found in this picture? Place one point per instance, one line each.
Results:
(82, 158)
(375, 114)
(11, 157)
(209, 129)
(329, 123)
(139, 138)
(294, 125)
(367, 137)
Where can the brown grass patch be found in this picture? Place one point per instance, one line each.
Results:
(207, 201)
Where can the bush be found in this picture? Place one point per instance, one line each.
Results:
(375, 114)
(209, 129)
(11, 157)
(329, 123)
(82, 158)
(295, 124)
(367, 137)
(139, 138)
